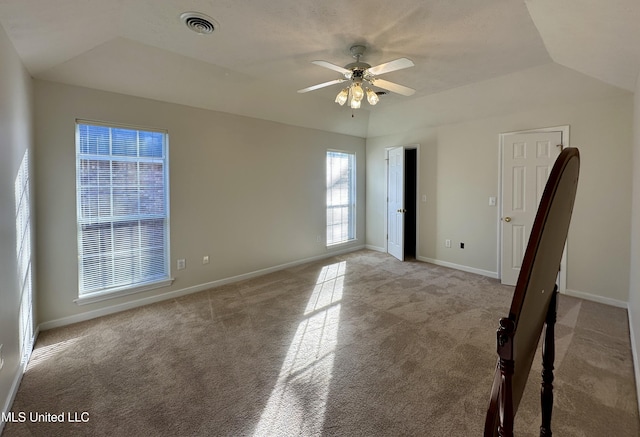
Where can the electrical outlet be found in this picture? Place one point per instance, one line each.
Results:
(461, 245)
(205, 259)
(319, 238)
(447, 243)
(182, 264)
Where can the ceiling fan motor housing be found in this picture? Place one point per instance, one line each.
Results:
(357, 73)
(357, 50)
(357, 68)
(354, 66)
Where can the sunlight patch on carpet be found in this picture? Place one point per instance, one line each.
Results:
(52, 351)
(298, 401)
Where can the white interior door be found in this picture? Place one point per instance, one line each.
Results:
(527, 159)
(395, 203)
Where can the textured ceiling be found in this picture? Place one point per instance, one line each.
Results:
(261, 52)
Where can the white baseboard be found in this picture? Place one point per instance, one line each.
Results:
(595, 298)
(437, 262)
(15, 385)
(12, 392)
(634, 355)
(88, 315)
(376, 248)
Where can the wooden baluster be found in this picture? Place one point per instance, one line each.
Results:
(505, 351)
(548, 357)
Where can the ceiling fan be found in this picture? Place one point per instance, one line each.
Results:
(362, 74)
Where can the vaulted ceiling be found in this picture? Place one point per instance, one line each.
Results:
(260, 53)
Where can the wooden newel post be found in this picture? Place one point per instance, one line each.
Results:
(505, 352)
(548, 357)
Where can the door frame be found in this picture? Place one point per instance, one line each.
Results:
(562, 276)
(386, 202)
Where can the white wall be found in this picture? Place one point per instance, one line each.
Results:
(16, 139)
(249, 193)
(459, 165)
(634, 286)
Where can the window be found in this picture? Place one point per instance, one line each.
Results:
(341, 196)
(122, 209)
(24, 256)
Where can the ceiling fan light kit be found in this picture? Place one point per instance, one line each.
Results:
(342, 97)
(360, 73)
(357, 94)
(372, 97)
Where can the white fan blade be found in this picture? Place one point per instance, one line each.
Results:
(334, 67)
(387, 67)
(321, 85)
(393, 87)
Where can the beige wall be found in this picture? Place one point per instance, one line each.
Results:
(634, 286)
(249, 193)
(16, 140)
(459, 165)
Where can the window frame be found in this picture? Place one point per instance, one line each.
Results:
(113, 291)
(352, 202)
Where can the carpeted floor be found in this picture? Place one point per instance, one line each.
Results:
(355, 345)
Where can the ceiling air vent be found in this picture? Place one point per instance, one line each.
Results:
(199, 23)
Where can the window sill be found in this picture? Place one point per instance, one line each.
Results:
(342, 243)
(119, 292)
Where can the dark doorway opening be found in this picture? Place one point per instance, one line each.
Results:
(410, 202)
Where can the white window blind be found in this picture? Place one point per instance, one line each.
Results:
(24, 255)
(341, 196)
(122, 208)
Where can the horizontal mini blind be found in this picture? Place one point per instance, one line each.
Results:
(24, 254)
(122, 207)
(340, 197)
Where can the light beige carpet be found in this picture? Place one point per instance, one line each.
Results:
(355, 345)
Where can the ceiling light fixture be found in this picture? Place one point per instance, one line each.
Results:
(358, 74)
(372, 97)
(362, 75)
(342, 97)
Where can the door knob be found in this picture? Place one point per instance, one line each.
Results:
(507, 219)
(402, 210)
